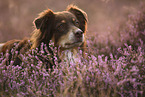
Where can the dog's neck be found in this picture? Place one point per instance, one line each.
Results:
(68, 54)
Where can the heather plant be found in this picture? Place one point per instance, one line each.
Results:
(112, 68)
(132, 32)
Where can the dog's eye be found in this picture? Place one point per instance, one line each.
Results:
(61, 27)
(77, 23)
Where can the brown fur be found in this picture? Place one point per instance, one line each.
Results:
(53, 26)
(78, 12)
(22, 46)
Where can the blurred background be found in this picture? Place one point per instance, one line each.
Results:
(16, 16)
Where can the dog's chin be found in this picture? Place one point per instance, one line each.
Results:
(72, 45)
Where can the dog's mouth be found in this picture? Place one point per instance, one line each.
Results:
(74, 44)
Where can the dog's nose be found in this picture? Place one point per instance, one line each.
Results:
(79, 34)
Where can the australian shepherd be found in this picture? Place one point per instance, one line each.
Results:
(67, 29)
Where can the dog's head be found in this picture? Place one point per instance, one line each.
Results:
(67, 28)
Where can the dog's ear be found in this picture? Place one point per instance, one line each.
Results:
(45, 23)
(80, 14)
(38, 23)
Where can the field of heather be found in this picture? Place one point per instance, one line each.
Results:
(115, 58)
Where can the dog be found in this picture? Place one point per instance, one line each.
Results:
(67, 29)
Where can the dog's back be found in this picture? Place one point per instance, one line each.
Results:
(1, 45)
(17, 45)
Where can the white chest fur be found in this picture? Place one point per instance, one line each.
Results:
(69, 55)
